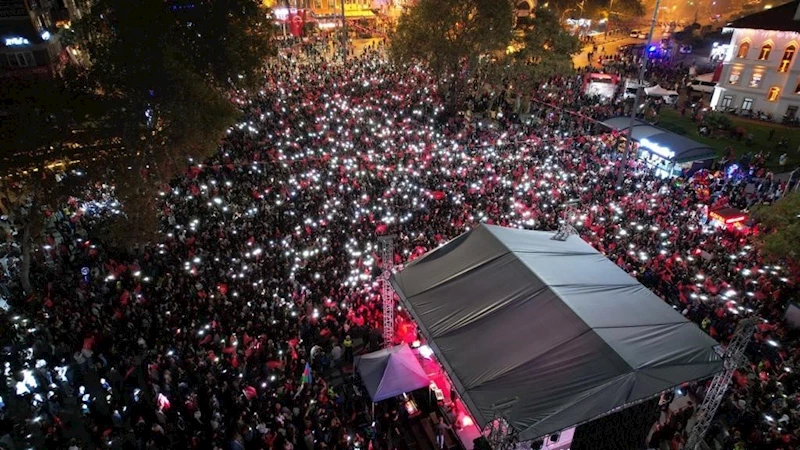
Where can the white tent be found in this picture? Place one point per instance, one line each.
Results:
(390, 372)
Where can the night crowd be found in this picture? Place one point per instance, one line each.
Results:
(269, 250)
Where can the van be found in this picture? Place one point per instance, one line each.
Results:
(703, 83)
(631, 86)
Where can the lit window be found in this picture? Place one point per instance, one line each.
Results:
(774, 93)
(743, 49)
(765, 50)
(736, 73)
(786, 61)
(755, 81)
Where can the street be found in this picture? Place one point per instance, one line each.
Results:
(609, 46)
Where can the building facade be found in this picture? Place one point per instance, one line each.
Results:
(29, 42)
(761, 72)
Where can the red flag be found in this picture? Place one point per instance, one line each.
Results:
(296, 22)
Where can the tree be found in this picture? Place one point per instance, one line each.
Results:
(165, 71)
(624, 8)
(544, 49)
(545, 46)
(23, 199)
(38, 121)
(781, 223)
(599, 9)
(451, 36)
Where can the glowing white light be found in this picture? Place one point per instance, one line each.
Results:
(425, 351)
(658, 149)
(14, 41)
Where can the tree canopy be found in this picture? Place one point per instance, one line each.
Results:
(166, 65)
(781, 222)
(600, 8)
(544, 48)
(448, 33)
(164, 71)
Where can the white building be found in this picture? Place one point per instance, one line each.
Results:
(761, 72)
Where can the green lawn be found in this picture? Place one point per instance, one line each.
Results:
(672, 120)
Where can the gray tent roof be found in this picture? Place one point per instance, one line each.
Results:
(685, 149)
(513, 314)
(390, 372)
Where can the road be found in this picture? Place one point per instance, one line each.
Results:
(609, 45)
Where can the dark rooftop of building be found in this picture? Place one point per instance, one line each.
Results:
(779, 18)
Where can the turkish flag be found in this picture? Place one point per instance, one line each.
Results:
(296, 22)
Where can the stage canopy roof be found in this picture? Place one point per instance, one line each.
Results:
(390, 372)
(665, 143)
(552, 328)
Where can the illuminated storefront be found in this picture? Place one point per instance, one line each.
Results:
(731, 218)
(667, 153)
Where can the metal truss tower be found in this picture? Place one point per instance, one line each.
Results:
(386, 244)
(564, 232)
(734, 357)
(499, 434)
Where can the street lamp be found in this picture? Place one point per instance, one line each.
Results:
(642, 70)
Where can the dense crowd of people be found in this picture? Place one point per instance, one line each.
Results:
(225, 334)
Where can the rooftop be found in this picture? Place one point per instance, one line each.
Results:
(779, 18)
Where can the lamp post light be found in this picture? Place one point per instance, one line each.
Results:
(642, 70)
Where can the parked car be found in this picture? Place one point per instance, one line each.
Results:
(642, 35)
(686, 49)
(634, 33)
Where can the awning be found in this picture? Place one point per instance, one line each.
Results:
(359, 14)
(664, 143)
